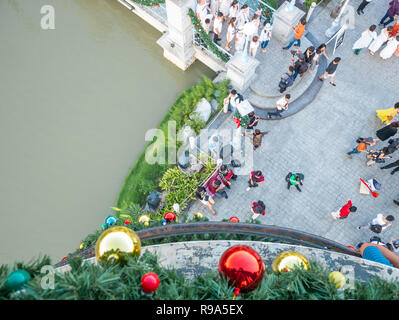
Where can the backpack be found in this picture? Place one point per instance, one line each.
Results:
(259, 207)
(239, 98)
(376, 228)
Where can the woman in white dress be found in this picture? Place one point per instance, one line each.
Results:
(365, 39)
(240, 40)
(380, 40)
(224, 7)
(254, 46)
(391, 47)
(231, 32)
(233, 11)
(243, 16)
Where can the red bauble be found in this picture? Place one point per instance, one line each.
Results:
(243, 267)
(234, 219)
(169, 216)
(149, 282)
(64, 258)
(127, 221)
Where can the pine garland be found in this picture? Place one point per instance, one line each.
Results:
(110, 281)
(204, 37)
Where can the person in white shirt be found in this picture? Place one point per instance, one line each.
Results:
(224, 8)
(208, 25)
(384, 222)
(232, 100)
(231, 31)
(217, 27)
(243, 16)
(265, 36)
(233, 11)
(253, 47)
(281, 105)
(364, 41)
(214, 6)
(202, 10)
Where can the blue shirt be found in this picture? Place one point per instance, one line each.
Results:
(374, 254)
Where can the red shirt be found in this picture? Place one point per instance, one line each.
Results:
(344, 212)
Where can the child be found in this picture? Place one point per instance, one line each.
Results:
(257, 208)
(207, 25)
(363, 143)
(265, 36)
(254, 46)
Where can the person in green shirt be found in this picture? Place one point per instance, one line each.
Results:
(295, 179)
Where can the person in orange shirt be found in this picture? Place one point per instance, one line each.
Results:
(395, 29)
(299, 30)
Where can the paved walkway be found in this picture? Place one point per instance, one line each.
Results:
(314, 141)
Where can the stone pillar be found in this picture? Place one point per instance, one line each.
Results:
(283, 21)
(241, 73)
(177, 42)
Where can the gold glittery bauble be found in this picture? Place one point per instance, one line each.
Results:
(198, 215)
(118, 238)
(286, 261)
(144, 219)
(337, 278)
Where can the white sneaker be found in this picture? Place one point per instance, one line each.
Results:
(248, 188)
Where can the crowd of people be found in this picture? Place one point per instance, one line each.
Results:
(386, 43)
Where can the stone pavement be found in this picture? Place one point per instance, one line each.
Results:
(314, 141)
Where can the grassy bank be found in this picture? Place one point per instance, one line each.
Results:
(144, 177)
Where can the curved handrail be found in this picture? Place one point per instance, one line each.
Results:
(256, 230)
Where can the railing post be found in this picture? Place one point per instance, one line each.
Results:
(177, 42)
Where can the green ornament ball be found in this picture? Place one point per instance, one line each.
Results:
(17, 279)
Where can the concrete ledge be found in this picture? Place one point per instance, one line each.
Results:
(195, 258)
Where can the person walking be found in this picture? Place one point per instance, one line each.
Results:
(381, 221)
(330, 71)
(281, 105)
(299, 30)
(387, 115)
(391, 148)
(255, 179)
(257, 208)
(388, 131)
(205, 199)
(231, 31)
(232, 100)
(391, 14)
(395, 29)
(224, 8)
(243, 16)
(363, 143)
(214, 6)
(366, 38)
(390, 48)
(295, 179)
(265, 36)
(257, 138)
(380, 40)
(253, 120)
(344, 211)
(392, 165)
(361, 7)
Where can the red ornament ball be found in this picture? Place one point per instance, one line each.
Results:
(127, 221)
(243, 267)
(234, 219)
(149, 282)
(64, 258)
(169, 216)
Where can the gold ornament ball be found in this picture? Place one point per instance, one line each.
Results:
(287, 260)
(81, 246)
(337, 278)
(119, 238)
(198, 215)
(144, 219)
